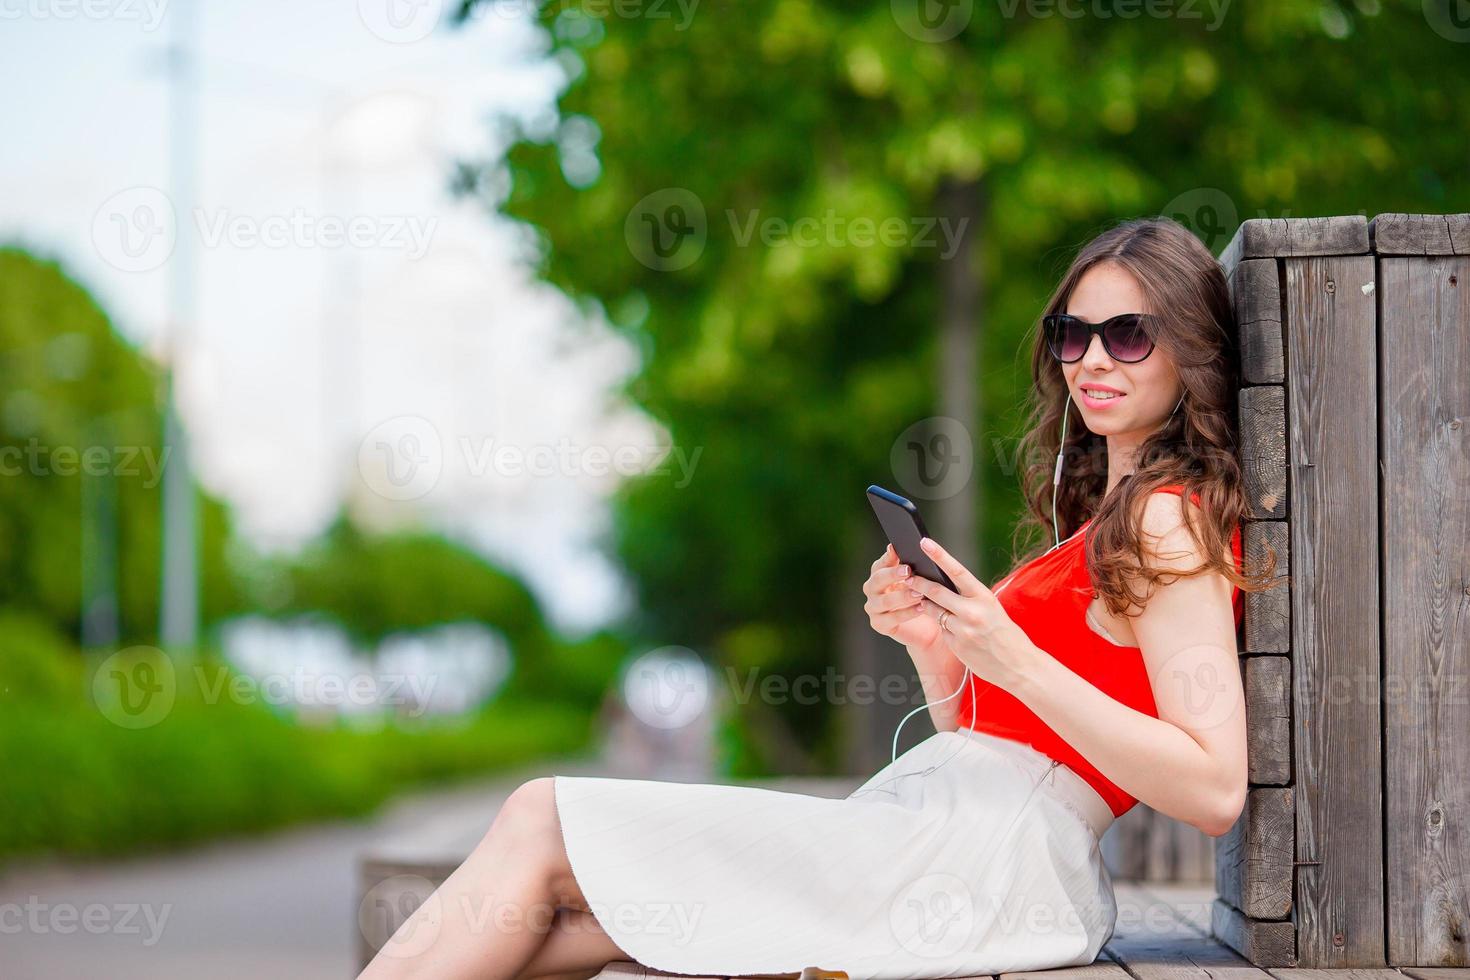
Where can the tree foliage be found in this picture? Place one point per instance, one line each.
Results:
(793, 364)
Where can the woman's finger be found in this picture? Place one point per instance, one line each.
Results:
(968, 585)
(889, 601)
(894, 575)
(887, 559)
(932, 609)
(936, 592)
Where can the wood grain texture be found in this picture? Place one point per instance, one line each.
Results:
(1268, 944)
(1255, 295)
(1333, 485)
(1267, 683)
(1253, 859)
(1259, 238)
(1266, 623)
(1420, 234)
(1100, 970)
(1263, 449)
(1366, 973)
(1425, 439)
(1180, 957)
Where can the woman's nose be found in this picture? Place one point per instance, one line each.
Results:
(1097, 354)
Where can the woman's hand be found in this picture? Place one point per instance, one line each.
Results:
(893, 609)
(978, 629)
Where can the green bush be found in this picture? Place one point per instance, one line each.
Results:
(36, 662)
(78, 782)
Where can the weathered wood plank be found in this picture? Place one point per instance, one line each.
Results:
(1263, 449)
(1362, 973)
(1143, 913)
(1100, 970)
(1180, 957)
(1420, 234)
(1425, 439)
(1253, 859)
(1333, 480)
(1262, 943)
(1267, 620)
(1186, 906)
(1258, 238)
(1255, 293)
(1436, 972)
(1268, 719)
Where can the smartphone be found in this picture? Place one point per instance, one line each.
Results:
(903, 525)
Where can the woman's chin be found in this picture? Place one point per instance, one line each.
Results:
(1107, 423)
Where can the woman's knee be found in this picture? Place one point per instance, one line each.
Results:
(527, 820)
(529, 830)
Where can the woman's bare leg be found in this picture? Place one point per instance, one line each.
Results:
(576, 949)
(497, 911)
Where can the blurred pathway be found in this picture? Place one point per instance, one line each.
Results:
(280, 906)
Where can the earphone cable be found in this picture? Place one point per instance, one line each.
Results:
(964, 680)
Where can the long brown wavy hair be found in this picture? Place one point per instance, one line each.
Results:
(1197, 446)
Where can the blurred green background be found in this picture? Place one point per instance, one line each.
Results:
(666, 196)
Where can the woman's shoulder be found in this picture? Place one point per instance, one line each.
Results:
(1162, 516)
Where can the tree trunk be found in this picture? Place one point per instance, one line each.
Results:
(868, 724)
(873, 704)
(961, 203)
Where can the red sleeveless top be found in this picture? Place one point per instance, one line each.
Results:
(1048, 598)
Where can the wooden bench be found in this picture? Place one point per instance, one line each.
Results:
(1163, 933)
(1353, 850)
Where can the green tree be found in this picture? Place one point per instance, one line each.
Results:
(794, 363)
(81, 462)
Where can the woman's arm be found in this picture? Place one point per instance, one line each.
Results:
(893, 611)
(1190, 762)
(940, 672)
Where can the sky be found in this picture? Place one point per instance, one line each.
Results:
(357, 333)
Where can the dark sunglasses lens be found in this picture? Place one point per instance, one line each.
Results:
(1067, 337)
(1127, 339)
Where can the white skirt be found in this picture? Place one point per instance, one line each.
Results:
(987, 864)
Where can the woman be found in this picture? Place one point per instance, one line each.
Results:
(1107, 671)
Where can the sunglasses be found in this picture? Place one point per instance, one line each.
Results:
(1125, 337)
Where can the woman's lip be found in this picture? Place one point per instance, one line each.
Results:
(1091, 402)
